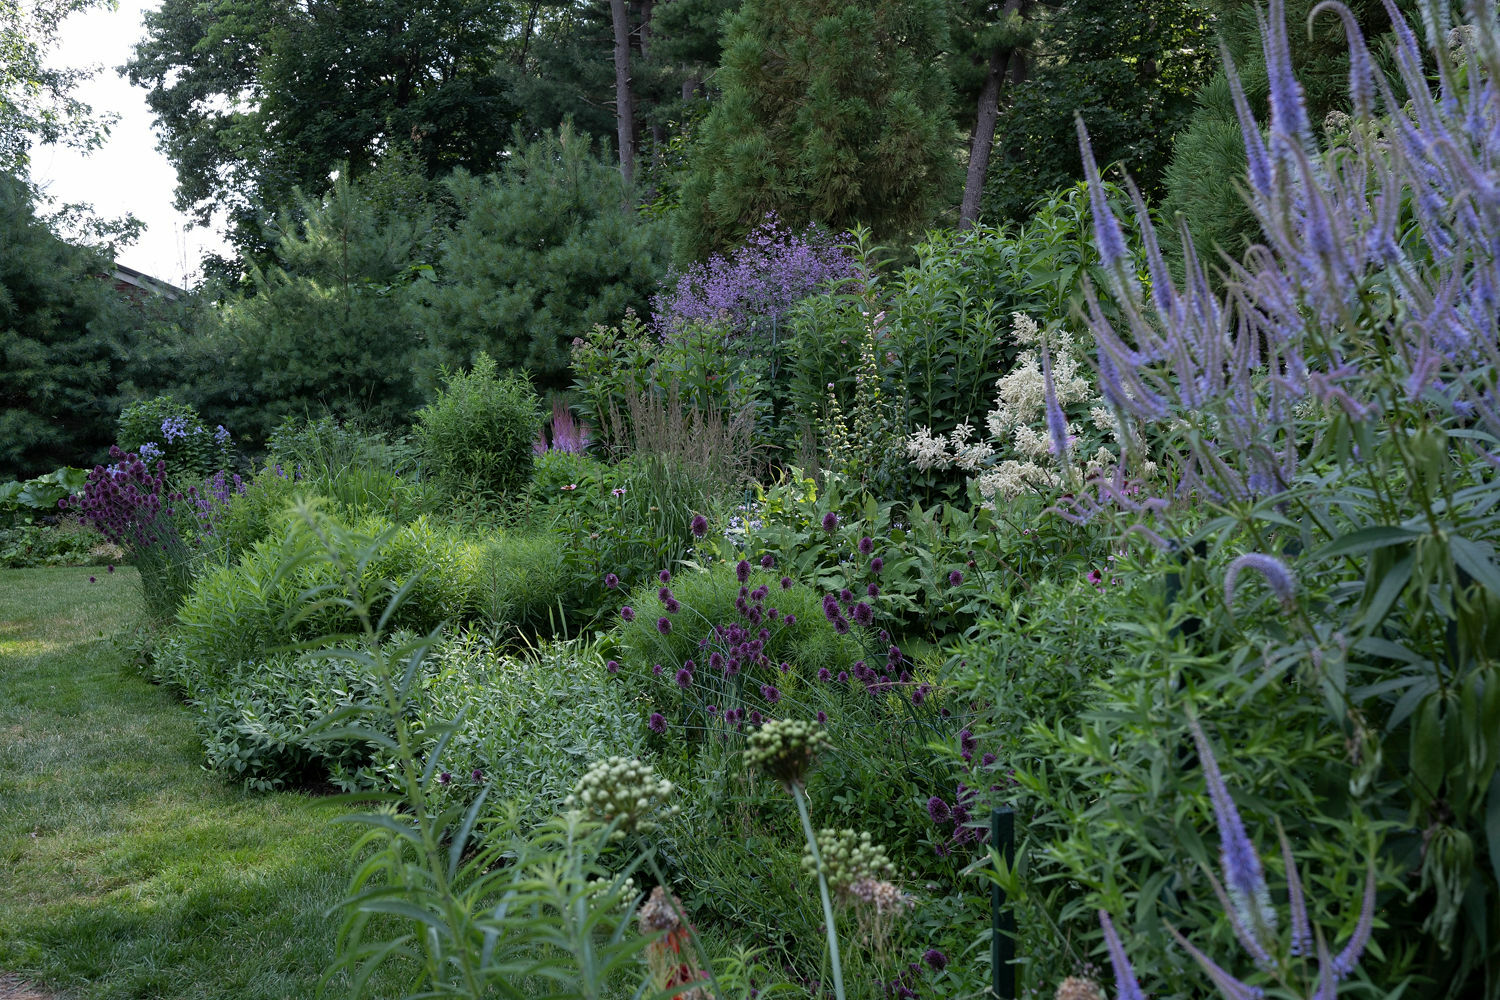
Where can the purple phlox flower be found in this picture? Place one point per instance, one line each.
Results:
(1127, 987)
(657, 723)
(1244, 879)
(699, 526)
(1277, 575)
(627, 613)
(830, 521)
(221, 434)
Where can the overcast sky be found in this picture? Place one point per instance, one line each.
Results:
(127, 174)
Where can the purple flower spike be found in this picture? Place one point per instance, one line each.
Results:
(1229, 987)
(1244, 878)
(1277, 575)
(1126, 985)
(1345, 961)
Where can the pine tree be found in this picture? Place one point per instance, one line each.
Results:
(829, 112)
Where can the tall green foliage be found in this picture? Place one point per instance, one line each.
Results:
(63, 335)
(828, 112)
(545, 250)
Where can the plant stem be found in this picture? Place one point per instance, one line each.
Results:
(833, 935)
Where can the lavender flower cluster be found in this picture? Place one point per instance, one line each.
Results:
(757, 284)
(1341, 308)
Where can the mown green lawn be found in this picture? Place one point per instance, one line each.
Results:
(126, 870)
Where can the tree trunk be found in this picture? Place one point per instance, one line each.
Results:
(646, 6)
(1011, 67)
(624, 100)
(526, 34)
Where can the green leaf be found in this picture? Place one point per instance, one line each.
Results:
(1478, 560)
(1366, 540)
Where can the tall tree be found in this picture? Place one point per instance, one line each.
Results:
(829, 112)
(624, 97)
(996, 46)
(37, 103)
(257, 97)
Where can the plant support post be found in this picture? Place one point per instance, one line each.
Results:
(1002, 917)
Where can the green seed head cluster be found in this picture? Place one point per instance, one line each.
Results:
(624, 791)
(848, 857)
(785, 748)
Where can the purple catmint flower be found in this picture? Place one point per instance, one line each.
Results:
(1277, 575)
(627, 613)
(830, 521)
(657, 723)
(699, 526)
(936, 960)
(611, 581)
(664, 625)
(767, 561)
(742, 570)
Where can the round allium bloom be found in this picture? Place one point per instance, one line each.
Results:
(110, 567)
(684, 678)
(866, 545)
(627, 613)
(846, 595)
(767, 561)
(613, 666)
(791, 619)
(784, 748)
(445, 778)
(769, 692)
(664, 576)
(664, 625)
(785, 667)
(955, 578)
(755, 718)
(938, 810)
(672, 606)
(987, 760)
(477, 775)
(611, 581)
(830, 521)
(876, 565)
(935, 959)
(822, 716)
(843, 677)
(664, 594)
(863, 613)
(786, 583)
(657, 723)
(93, 580)
(742, 570)
(699, 526)
(841, 625)
(966, 742)
(873, 590)
(824, 674)
(716, 660)
(656, 670)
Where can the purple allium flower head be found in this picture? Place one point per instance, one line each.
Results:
(611, 581)
(699, 526)
(767, 561)
(863, 613)
(627, 613)
(786, 583)
(664, 594)
(938, 810)
(873, 590)
(841, 625)
(93, 580)
(664, 576)
(657, 723)
(664, 625)
(613, 666)
(987, 760)
(445, 778)
(822, 716)
(824, 674)
(672, 605)
(846, 595)
(966, 742)
(876, 565)
(1126, 985)
(830, 521)
(935, 959)
(769, 692)
(1277, 575)
(742, 570)
(866, 545)
(110, 568)
(843, 677)
(684, 678)
(955, 578)
(477, 774)
(656, 670)
(791, 619)
(755, 718)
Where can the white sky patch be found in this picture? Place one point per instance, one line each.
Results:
(126, 175)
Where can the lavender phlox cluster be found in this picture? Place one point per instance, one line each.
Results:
(173, 428)
(758, 283)
(1295, 322)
